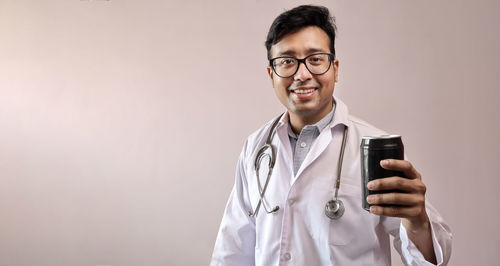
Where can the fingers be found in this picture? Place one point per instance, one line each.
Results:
(401, 165)
(408, 202)
(403, 199)
(397, 211)
(400, 183)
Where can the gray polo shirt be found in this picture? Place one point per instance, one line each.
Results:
(302, 143)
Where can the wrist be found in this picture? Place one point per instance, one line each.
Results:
(417, 225)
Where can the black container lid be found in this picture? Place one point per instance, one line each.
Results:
(381, 142)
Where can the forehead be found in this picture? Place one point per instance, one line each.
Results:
(308, 40)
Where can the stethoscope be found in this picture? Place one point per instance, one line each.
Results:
(334, 209)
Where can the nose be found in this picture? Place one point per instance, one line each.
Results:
(302, 73)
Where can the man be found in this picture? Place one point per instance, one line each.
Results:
(280, 219)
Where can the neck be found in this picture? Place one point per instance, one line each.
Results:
(298, 121)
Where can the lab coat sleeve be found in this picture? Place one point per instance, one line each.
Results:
(235, 243)
(441, 239)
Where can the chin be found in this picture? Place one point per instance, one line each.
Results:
(303, 111)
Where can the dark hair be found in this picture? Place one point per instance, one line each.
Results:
(293, 20)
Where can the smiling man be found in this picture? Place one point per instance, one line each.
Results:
(305, 90)
(289, 169)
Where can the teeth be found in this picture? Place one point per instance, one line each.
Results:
(304, 91)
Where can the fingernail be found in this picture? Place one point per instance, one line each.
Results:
(370, 199)
(373, 209)
(385, 162)
(370, 185)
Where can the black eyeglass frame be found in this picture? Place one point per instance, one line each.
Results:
(331, 57)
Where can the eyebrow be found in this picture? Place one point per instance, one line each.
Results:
(308, 51)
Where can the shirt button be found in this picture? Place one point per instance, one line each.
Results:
(303, 144)
(291, 201)
(287, 256)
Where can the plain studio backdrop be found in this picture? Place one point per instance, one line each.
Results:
(121, 121)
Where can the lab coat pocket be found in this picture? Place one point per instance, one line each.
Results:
(343, 230)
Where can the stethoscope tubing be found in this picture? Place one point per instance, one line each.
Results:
(341, 160)
(272, 160)
(334, 209)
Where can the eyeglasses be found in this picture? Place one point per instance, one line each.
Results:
(316, 64)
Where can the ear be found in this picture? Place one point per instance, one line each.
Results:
(336, 69)
(270, 72)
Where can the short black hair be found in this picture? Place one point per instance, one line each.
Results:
(293, 20)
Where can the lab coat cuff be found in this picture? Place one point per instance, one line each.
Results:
(412, 255)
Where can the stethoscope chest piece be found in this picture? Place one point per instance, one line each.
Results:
(334, 209)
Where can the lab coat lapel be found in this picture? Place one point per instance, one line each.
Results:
(282, 133)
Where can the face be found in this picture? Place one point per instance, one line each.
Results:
(307, 97)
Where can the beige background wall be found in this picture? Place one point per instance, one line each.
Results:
(121, 121)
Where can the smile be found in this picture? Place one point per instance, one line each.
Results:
(303, 91)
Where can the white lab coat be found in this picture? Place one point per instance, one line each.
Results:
(300, 233)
